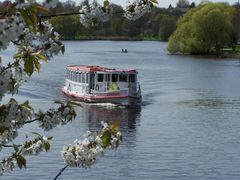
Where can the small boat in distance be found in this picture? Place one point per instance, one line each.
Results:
(124, 50)
(96, 84)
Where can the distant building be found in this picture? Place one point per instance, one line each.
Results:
(181, 9)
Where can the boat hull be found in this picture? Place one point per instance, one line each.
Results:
(117, 99)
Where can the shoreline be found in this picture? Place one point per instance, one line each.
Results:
(112, 38)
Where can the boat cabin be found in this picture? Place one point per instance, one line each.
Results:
(96, 79)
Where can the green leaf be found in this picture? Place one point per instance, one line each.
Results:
(154, 1)
(47, 146)
(106, 3)
(115, 126)
(17, 55)
(26, 104)
(28, 65)
(39, 135)
(58, 102)
(50, 138)
(3, 129)
(25, 16)
(30, 17)
(29, 108)
(40, 56)
(15, 147)
(106, 139)
(39, 8)
(12, 100)
(21, 161)
(37, 65)
(33, 17)
(63, 49)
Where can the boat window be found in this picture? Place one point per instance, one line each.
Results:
(107, 77)
(87, 81)
(100, 77)
(67, 74)
(74, 76)
(114, 77)
(123, 78)
(80, 77)
(71, 76)
(132, 77)
(84, 78)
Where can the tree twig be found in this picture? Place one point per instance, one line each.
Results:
(68, 14)
(59, 14)
(4, 145)
(30, 121)
(60, 172)
(8, 67)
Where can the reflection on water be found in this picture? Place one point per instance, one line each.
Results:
(95, 113)
(212, 103)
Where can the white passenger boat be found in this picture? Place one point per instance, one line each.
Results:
(98, 84)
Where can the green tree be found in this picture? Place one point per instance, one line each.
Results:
(182, 3)
(62, 25)
(204, 29)
(236, 27)
(167, 26)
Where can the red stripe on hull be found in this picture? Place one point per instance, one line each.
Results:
(120, 99)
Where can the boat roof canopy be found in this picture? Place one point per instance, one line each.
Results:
(85, 68)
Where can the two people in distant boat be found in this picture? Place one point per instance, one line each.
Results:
(124, 50)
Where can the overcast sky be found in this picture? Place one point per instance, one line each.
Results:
(162, 3)
(165, 3)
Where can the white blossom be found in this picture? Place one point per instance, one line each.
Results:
(54, 117)
(85, 153)
(8, 136)
(34, 147)
(5, 76)
(6, 166)
(81, 153)
(10, 28)
(13, 114)
(47, 42)
(92, 14)
(137, 9)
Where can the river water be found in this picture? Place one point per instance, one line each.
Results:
(188, 126)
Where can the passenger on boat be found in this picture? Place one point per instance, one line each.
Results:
(114, 87)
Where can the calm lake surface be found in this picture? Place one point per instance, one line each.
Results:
(188, 127)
